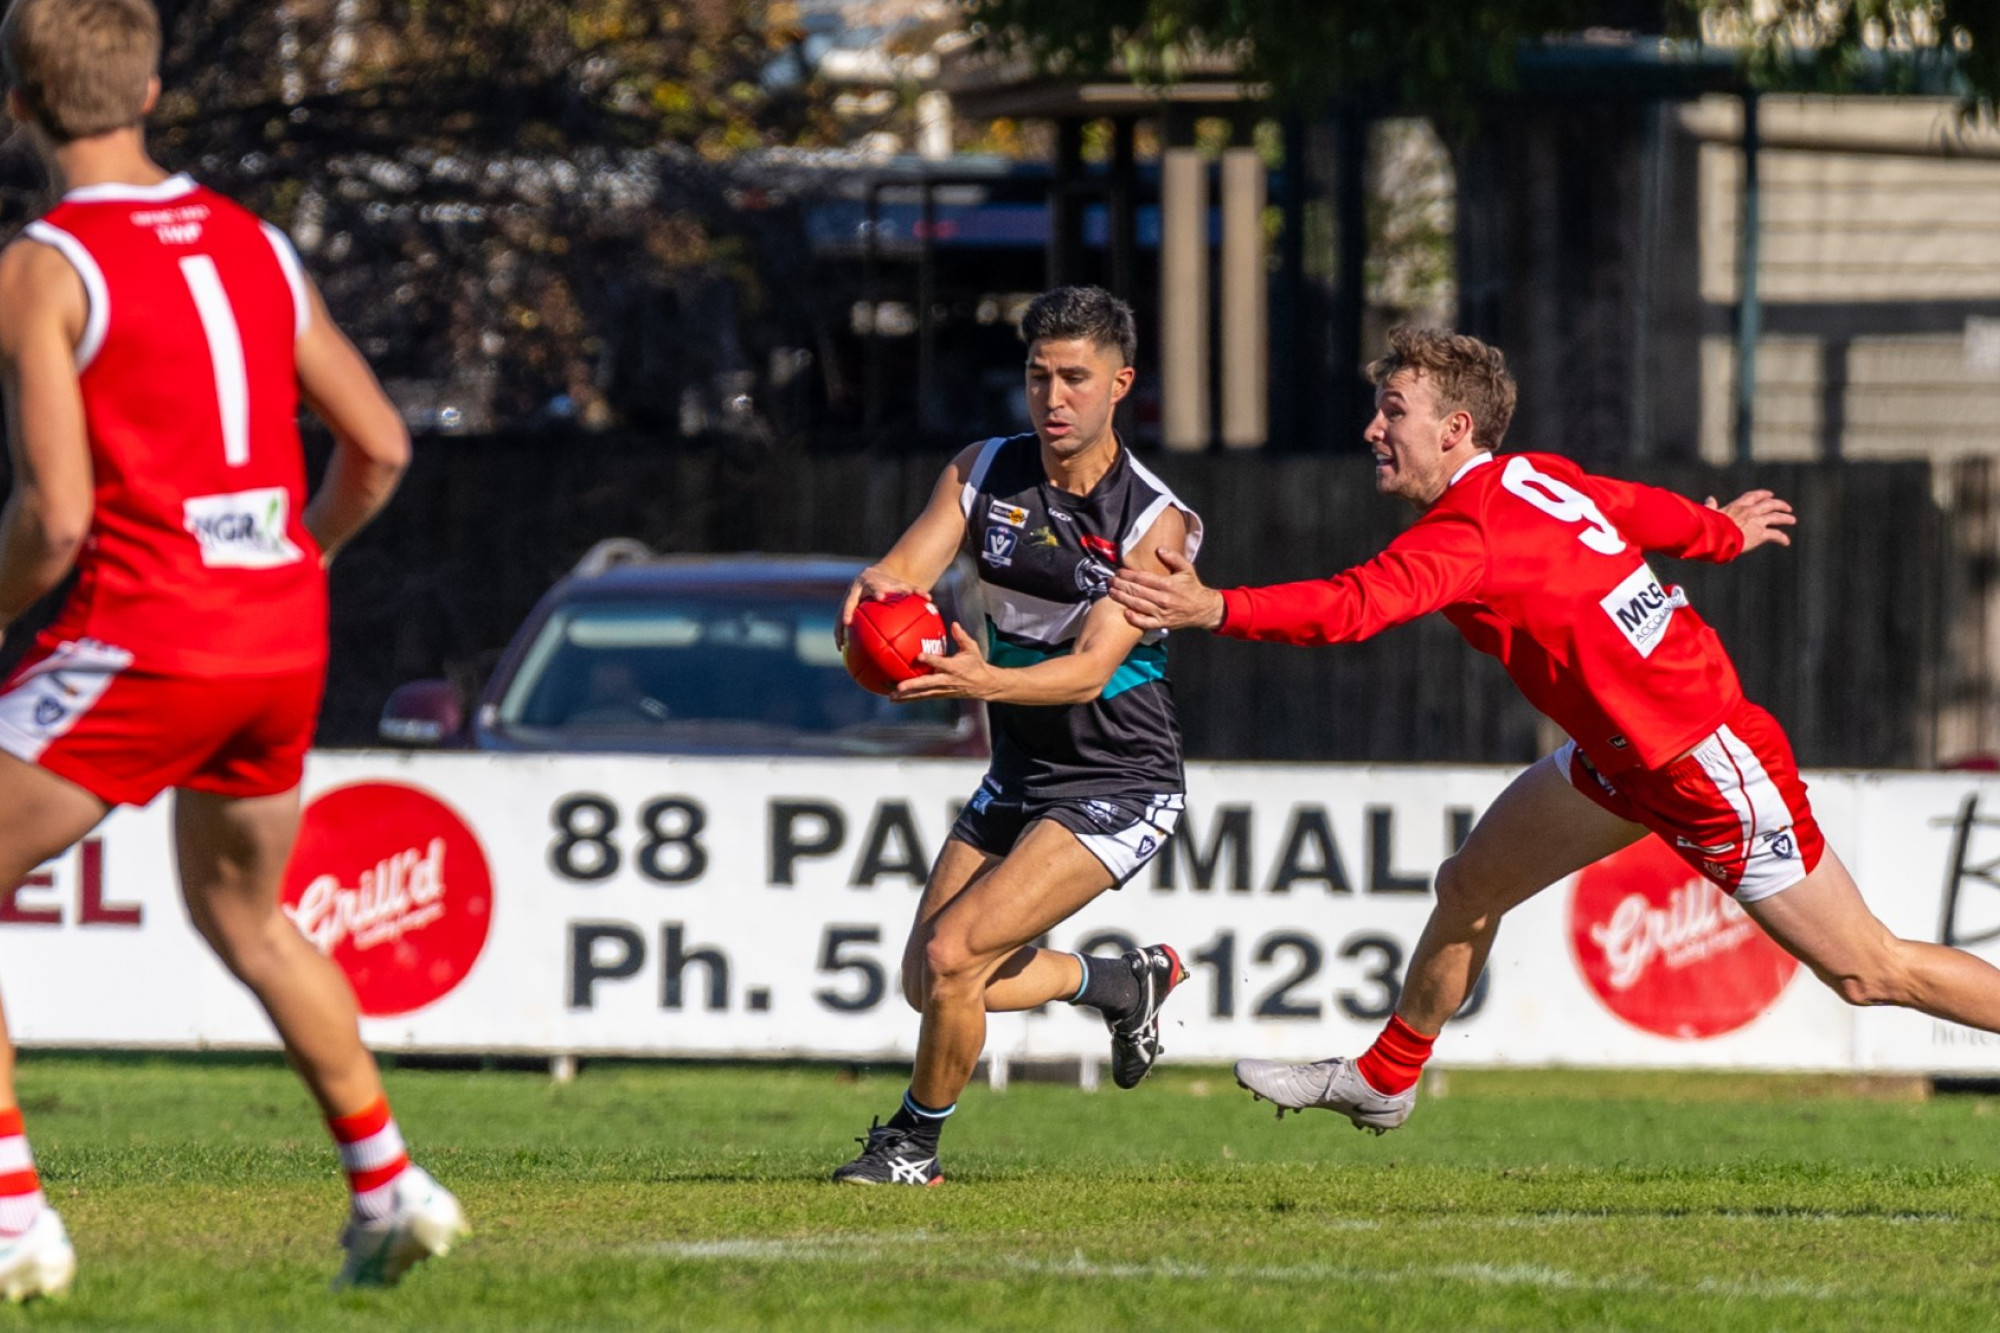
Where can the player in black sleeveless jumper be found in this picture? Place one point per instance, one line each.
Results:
(1085, 785)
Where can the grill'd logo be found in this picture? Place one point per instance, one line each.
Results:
(389, 882)
(1667, 951)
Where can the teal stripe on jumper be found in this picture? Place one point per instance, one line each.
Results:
(1145, 663)
(1003, 652)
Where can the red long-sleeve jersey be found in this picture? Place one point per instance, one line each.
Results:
(1542, 565)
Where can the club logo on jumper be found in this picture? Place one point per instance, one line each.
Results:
(999, 546)
(1667, 951)
(1642, 609)
(391, 884)
(1092, 577)
(1012, 515)
(242, 530)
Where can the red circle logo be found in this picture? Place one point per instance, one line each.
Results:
(1666, 950)
(391, 884)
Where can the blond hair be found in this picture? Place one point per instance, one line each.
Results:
(80, 66)
(1465, 374)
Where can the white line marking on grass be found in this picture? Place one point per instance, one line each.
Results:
(785, 1249)
(1485, 1275)
(1531, 1220)
(870, 1249)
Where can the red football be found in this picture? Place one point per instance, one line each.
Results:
(886, 636)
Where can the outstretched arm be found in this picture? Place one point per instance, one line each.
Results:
(1427, 568)
(1762, 516)
(1660, 520)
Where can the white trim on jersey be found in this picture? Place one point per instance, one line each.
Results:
(1152, 514)
(1480, 459)
(1029, 617)
(122, 192)
(225, 354)
(295, 276)
(97, 293)
(980, 466)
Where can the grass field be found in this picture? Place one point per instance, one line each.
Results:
(201, 1193)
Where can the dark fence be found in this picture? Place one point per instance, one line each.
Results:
(1861, 637)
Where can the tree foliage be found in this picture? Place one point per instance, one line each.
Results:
(1876, 45)
(1442, 54)
(520, 207)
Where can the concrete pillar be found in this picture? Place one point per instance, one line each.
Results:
(934, 125)
(1184, 402)
(1245, 302)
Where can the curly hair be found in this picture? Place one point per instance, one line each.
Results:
(1082, 312)
(1465, 374)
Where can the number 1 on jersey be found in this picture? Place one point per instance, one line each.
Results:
(1562, 502)
(225, 353)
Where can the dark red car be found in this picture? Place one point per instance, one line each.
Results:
(720, 655)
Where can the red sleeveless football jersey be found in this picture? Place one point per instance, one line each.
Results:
(197, 561)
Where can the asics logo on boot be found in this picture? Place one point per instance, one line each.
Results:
(905, 1171)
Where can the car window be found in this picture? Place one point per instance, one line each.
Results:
(657, 664)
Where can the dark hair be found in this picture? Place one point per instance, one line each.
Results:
(1083, 312)
(1465, 374)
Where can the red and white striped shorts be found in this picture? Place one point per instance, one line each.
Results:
(125, 736)
(1733, 807)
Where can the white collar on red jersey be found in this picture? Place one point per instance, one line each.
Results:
(1480, 459)
(120, 192)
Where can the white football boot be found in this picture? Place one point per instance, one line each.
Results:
(1328, 1085)
(39, 1261)
(424, 1223)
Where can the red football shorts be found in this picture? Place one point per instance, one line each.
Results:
(1733, 807)
(79, 711)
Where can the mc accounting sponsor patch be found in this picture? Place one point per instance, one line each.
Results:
(1642, 609)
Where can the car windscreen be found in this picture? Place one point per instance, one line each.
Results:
(678, 662)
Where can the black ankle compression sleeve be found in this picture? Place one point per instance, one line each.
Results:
(1108, 984)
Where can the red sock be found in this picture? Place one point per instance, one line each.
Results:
(1397, 1057)
(21, 1200)
(372, 1154)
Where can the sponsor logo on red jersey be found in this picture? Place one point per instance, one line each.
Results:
(390, 883)
(1667, 951)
